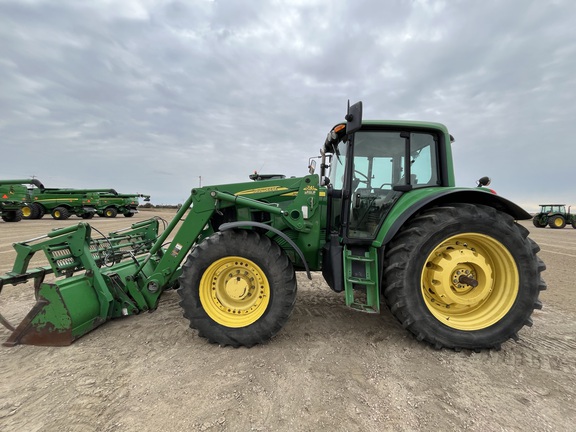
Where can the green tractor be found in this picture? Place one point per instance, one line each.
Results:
(113, 204)
(554, 215)
(382, 220)
(13, 198)
(61, 203)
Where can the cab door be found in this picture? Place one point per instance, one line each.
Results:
(383, 165)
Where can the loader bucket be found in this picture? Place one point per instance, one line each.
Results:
(92, 282)
(61, 314)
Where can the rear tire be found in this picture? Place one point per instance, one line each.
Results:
(556, 222)
(60, 213)
(237, 288)
(427, 259)
(41, 211)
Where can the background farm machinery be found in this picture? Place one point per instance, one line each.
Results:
(61, 203)
(111, 204)
(29, 199)
(555, 216)
(14, 197)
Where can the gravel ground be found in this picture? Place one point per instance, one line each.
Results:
(330, 368)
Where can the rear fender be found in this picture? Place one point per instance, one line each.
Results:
(443, 197)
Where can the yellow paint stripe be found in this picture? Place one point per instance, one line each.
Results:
(261, 190)
(57, 199)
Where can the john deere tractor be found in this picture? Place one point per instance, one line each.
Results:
(14, 198)
(382, 220)
(555, 216)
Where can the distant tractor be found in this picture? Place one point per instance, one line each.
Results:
(555, 216)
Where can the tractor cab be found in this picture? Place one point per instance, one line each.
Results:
(551, 209)
(371, 168)
(368, 170)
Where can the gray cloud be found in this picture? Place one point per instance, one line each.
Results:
(147, 96)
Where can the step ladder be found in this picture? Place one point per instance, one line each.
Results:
(362, 270)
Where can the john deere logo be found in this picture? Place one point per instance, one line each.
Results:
(310, 190)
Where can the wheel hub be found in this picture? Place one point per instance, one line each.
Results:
(445, 270)
(237, 288)
(234, 291)
(469, 281)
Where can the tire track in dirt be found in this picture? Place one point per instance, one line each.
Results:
(525, 357)
(550, 345)
(330, 368)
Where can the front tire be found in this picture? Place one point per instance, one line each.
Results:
(12, 216)
(457, 282)
(29, 211)
(539, 222)
(237, 288)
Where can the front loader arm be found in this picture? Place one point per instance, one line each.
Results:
(293, 203)
(98, 279)
(202, 205)
(200, 209)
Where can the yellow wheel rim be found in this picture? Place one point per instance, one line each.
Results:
(26, 211)
(234, 292)
(558, 222)
(57, 214)
(470, 281)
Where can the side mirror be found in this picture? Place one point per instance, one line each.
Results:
(484, 181)
(311, 166)
(354, 117)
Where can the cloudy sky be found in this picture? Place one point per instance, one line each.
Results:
(156, 96)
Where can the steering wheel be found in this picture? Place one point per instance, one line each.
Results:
(362, 175)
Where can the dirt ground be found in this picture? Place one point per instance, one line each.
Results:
(330, 368)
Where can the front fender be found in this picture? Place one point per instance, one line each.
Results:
(417, 200)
